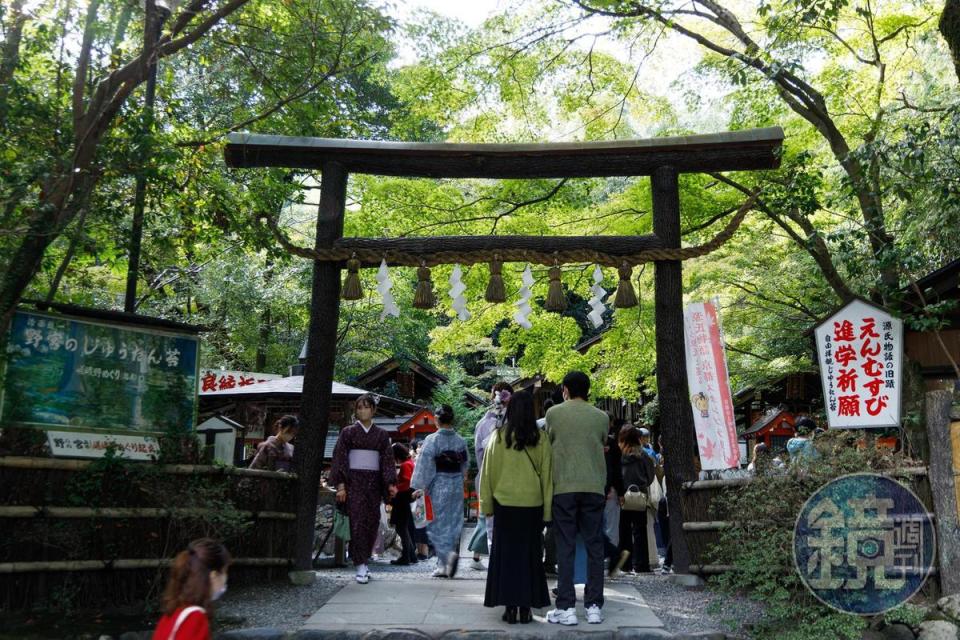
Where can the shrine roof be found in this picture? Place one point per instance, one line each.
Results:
(288, 385)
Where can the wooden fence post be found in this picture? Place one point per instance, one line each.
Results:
(321, 355)
(944, 440)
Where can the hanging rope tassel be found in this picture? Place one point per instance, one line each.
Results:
(496, 292)
(556, 300)
(626, 297)
(351, 284)
(424, 297)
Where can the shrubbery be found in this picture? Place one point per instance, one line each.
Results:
(760, 544)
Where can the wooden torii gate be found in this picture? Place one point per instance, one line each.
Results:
(663, 159)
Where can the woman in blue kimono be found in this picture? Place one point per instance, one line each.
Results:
(440, 473)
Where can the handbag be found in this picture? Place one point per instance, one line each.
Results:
(341, 524)
(422, 511)
(656, 494)
(635, 499)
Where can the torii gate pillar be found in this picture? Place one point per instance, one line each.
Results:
(676, 419)
(321, 357)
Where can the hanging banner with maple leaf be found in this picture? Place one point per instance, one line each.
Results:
(709, 387)
(860, 349)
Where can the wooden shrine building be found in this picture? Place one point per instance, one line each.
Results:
(409, 379)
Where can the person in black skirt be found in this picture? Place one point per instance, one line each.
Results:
(516, 487)
(400, 515)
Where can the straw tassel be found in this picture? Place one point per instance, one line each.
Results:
(496, 292)
(351, 284)
(626, 297)
(424, 297)
(556, 300)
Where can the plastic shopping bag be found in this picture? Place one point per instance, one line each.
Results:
(341, 523)
(422, 511)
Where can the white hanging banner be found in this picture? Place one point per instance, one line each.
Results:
(860, 349)
(709, 387)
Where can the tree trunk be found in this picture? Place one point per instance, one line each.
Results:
(266, 324)
(68, 257)
(59, 205)
(950, 30)
(10, 57)
(263, 340)
(943, 487)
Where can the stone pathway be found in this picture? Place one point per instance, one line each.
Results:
(436, 606)
(408, 598)
(406, 603)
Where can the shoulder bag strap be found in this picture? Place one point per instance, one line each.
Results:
(531, 462)
(182, 618)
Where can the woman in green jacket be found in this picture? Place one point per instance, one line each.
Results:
(516, 487)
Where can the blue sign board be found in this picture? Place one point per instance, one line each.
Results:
(69, 374)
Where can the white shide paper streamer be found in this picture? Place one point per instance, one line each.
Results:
(457, 288)
(384, 284)
(596, 302)
(523, 304)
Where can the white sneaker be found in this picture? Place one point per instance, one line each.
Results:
(476, 564)
(439, 572)
(566, 617)
(363, 579)
(594, 616)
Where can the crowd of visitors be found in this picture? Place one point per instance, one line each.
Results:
(574, 480)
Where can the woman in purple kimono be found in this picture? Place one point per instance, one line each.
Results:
(363, 473)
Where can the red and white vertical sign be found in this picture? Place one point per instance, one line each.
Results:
(860, 349)
(710, 388)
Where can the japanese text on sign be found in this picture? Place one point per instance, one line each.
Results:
(89, 376)
(710, 388)
(68, 444)
(216, 380)
(859, 349)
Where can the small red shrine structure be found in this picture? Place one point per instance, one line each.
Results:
(772, 429)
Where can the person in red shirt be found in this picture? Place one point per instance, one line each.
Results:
(198, 576)
(400, 516)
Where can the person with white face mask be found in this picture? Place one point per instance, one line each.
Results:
(198, 577)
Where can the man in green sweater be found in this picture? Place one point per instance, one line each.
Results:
(577, 431)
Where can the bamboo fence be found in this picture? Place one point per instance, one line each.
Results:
(72, 530)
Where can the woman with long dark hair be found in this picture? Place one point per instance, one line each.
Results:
(638, 472)
(516, 487)
(198, 576)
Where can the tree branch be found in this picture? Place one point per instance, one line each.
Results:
(83, 62)
(813, 243)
